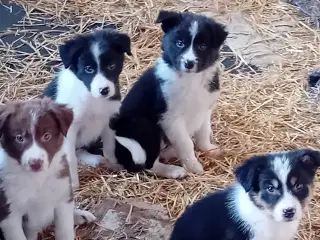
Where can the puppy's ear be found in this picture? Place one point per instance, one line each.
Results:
(247, 174)
(310, 159)
(62, 114)
(122, 43)
(113, 123)
(218, 33)
(69, 50)
(168, 20)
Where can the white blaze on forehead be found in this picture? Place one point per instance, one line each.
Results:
(281, 167)
(194, 29)
(189, 55)
(137, 153)
(96, 52)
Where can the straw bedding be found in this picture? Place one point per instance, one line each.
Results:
(269, 111)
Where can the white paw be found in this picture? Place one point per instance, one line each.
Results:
(177, 172)
(82, 216)
(92, 160)
(208, 147)
(193, 166)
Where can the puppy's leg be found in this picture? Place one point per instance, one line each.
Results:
(12, 228)
(167, 170)
(82, 216)
(182, 143)
(109, 145)
(89, 159)
(203, 135)
(73, 160)
(64, 222)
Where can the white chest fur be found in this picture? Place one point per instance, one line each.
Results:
(260, 224)
(91, 115)
(187, 95)
(34, 194)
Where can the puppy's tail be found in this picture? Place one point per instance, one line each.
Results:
(138, 155)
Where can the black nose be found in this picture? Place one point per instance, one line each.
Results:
(104, 91)
(189, 64)
(289, 212)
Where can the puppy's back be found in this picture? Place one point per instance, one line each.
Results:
(209, 219)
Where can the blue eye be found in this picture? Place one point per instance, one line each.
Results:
(270, 189)
(179, 44)
(89, 69)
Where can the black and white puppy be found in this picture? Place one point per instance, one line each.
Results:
(89, 84)
(180, 91)
(266, 203)
(138, 145)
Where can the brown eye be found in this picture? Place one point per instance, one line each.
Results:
(111, 66)
(19, 138)
(202, 47)
(46, 137)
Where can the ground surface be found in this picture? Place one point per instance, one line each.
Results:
(263, 106)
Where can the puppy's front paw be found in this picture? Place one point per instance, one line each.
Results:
(193, 166)
(177, 172)
(82, 217)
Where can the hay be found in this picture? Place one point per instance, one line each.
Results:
(256, 113)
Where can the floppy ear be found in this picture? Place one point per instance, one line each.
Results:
(68, 51)
(168, 20)
(309, 158)
(248, 172)
(218, 33)
(63, 116)
(123, 44)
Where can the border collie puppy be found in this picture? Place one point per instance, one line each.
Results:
(138, 145)
(266, 203)
(89, 84)
(180, 91)
(35, 177)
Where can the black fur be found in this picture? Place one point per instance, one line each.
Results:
(142, 130)
(209, 219)
(176, 27)
(77, 55)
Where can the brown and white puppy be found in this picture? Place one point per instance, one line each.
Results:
(35, 180)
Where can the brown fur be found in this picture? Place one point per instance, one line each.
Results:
(34, 117)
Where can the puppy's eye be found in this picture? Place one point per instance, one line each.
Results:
(202, 47)
(270, 189)
(88, 69)
(46, 137)
(19, 138)
(298, 187)
(179, 44)
(111, 66)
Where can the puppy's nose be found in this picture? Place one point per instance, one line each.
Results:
(36, 165)
(104, 91)
(189, 64)
(289, 213)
